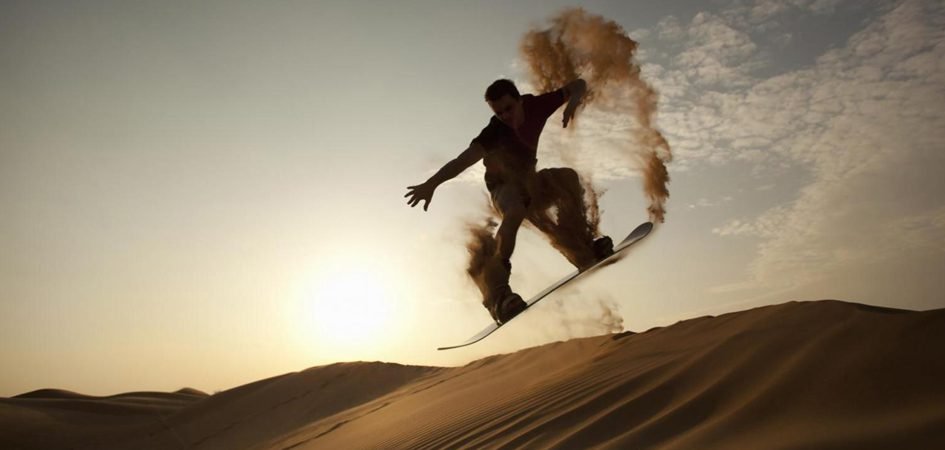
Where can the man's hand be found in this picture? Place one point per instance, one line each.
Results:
(420, 193)
(424, 192)
(575, 91)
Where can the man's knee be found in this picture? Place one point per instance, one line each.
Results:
(561, 176)
(558, 184)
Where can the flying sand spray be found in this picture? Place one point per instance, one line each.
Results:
(579, 44)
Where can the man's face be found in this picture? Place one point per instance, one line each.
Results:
(509, 110)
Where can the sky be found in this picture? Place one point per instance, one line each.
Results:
(209, 194)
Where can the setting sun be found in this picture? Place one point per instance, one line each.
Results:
(348, 308)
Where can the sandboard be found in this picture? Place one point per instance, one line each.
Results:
(638, 233)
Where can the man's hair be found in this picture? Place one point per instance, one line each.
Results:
(501, 88)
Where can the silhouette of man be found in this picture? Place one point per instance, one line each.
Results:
(508, 147)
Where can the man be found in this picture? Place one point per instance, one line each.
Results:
(508, 146)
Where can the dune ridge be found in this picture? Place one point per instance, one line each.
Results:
(824, 374)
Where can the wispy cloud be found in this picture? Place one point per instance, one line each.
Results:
(704, 202)
(867, 121)
(864, 121)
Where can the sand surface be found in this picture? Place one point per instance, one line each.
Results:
(824, 374)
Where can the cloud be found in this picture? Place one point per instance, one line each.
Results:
(735, 227)
(864, 123)
(868, 123)
(767, 226)
(707, 203)
(919, 232)
(670, 29)
(768, 15)
(717, 54)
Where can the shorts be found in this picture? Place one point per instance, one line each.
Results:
(509, 197)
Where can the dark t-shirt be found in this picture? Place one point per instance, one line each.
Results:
(511, 153)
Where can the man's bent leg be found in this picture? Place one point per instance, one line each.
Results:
(511, 200)
(507, 233)
(566, 217)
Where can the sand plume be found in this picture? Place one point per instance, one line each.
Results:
(484, 267)
(581, 313)
(578, 44)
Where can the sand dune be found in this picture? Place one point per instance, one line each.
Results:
(824, 374)
(54, 418)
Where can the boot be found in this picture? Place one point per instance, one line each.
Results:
(603, 247)
(506, 305)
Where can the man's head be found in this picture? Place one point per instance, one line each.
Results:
(505, 101)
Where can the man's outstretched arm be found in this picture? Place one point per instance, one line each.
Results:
(573, 94)
(424, 192)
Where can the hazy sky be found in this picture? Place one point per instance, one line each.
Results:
(206, 194)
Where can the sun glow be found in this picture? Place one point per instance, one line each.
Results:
(348, 309)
